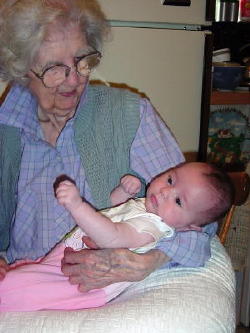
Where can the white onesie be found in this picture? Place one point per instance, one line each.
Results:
(134, 213)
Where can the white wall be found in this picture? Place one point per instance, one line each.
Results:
(153, 10)
(167, 67)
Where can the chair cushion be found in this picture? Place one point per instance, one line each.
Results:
(177, 300)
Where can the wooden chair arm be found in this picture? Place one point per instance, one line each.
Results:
(241, 182)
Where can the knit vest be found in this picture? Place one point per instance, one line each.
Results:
(10, 159)
(105, 128)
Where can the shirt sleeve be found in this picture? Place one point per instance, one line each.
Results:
(154, 150)
(188, 248)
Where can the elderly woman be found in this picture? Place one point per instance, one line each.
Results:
(53, 122)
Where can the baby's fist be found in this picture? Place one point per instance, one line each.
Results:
(131, 184)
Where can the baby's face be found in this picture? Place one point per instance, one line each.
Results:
(179, 195)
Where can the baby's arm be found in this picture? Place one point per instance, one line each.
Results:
(98, 227)
(129, 186)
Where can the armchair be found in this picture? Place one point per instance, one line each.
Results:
(179, 300)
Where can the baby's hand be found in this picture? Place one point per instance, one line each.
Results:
(68, 195)
(4, 268)
(130, 184)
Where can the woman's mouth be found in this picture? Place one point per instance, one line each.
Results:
(68, 93)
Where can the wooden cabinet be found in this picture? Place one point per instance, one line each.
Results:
(230, 97)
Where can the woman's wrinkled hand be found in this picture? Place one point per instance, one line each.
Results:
(4, 268)
(93, 269)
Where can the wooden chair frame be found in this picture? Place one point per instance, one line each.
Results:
(241, 182)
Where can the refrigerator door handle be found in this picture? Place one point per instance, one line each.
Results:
(176, 2)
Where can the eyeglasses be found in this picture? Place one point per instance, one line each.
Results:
(55, 75)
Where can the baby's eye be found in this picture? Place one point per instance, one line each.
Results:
(178, 201)
(169, 180)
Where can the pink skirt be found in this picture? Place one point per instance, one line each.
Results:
(40, 285)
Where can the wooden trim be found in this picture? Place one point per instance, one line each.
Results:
(226, 225)
(210, 10)
(4, 94)
(206, 96)
(230, 97)
(191, 156)
(241, 183)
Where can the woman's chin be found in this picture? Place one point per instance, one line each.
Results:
(67, 103)
(66, 108)
(66, 114)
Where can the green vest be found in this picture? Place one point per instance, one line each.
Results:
(104, 130)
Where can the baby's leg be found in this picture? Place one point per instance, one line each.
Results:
(41, 285)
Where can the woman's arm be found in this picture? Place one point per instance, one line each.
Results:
(92, 269)
(189, 248)
(154, 150)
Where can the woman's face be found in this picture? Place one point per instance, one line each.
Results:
(62, 45)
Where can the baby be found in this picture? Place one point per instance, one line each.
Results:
(183, 198)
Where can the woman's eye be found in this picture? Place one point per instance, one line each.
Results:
(178, 201)
(170, 181)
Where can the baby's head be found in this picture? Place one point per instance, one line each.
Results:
(190, 195)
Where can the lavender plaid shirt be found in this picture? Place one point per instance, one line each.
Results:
(39, 222)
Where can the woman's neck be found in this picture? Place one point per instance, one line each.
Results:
(52, 125)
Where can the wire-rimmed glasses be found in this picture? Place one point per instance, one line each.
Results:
(54, 75)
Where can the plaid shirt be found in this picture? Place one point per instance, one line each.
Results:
(40, 222)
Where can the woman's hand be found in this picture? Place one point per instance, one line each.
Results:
(93, 269)
(4, 268)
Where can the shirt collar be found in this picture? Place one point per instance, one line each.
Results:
(19, 109)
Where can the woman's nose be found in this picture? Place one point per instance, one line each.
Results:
(73, 78)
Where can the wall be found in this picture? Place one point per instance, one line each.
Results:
(153, 10)
(166, 65)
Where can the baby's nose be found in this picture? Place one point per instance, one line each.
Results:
(165, 191)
